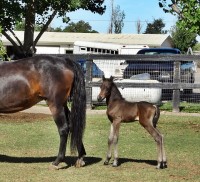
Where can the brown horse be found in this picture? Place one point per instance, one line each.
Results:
(25, 82)
(118, 110)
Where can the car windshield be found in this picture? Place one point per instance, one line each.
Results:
(154, 53)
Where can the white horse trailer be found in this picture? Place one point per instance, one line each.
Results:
(85, 47)
(109, 67)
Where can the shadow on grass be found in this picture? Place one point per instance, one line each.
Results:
(124, 160)
(70, 160)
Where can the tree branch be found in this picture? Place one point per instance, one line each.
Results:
(18, 48)
(45, 27)
(16, 38)
(177, 10)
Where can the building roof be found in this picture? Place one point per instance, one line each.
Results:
(66, 38)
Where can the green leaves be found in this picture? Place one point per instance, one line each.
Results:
(80, 26)
(15, 11)
(156, 27)
(183, 38)
(39, 14)
(188, 13)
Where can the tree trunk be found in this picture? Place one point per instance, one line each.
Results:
(29, 48)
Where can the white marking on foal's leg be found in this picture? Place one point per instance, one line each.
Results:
(115, 142)
(164, 158)
(115, 162)
(110, 142)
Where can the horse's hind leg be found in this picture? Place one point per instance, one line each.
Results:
(62, 123)
(164, 159)
(162, 163)
(81, 150)
(81, 153)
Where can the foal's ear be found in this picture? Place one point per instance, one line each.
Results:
(103, 77)
(111, 78)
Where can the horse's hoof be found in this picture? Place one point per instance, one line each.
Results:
(79, 163)
(53, 167)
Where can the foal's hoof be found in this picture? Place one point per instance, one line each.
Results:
(161, 165)
(106, 163)
(53, 167)
(115, 164)
(79, 163)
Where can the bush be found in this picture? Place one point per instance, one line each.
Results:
(197, 47)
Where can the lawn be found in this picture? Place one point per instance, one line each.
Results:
(185, 107)
(29, 143)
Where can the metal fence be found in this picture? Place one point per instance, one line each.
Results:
(173, 75)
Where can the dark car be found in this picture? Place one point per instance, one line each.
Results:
(162, 70)
(96, 72)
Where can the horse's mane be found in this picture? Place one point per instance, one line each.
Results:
(116, 94)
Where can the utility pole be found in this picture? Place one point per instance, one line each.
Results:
(110, 30)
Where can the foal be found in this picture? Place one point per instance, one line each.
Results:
(118, 110)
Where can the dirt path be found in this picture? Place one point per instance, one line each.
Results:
(45, 110)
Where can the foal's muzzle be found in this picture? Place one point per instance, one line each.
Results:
(99, 98)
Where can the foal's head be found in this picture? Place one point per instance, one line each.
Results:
(105, 88)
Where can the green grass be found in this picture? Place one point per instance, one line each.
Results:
(167, 106)
(184, 107)
(27, 148)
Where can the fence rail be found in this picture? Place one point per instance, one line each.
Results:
(176, 85)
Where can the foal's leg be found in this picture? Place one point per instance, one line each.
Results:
(163, 159)
(110, 141)
(113, 139)
(115, 142)
(160, 146)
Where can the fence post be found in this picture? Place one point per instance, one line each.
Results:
(88, 78)
(176, 92)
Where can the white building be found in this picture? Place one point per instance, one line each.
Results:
(63, 42)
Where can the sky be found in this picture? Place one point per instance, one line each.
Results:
(144, 10)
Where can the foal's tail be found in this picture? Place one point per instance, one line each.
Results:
(78, 108)
(156, 116)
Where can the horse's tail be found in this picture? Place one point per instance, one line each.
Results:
(78, 108)
(156, 116)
